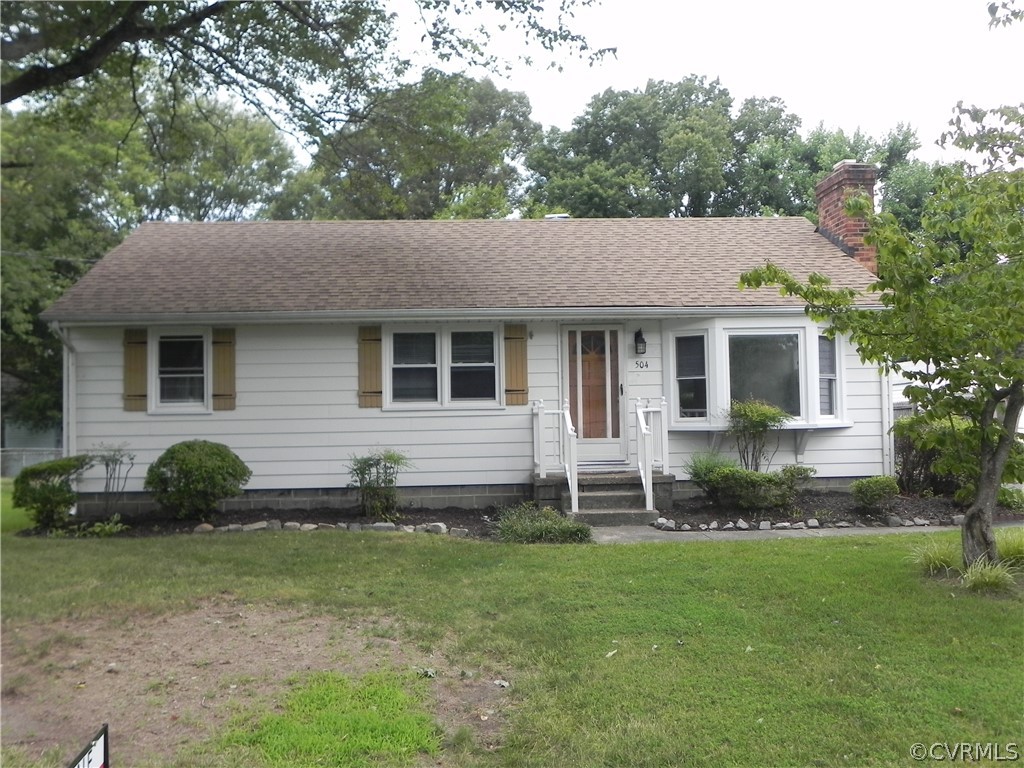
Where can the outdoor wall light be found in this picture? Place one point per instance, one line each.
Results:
(640, 342)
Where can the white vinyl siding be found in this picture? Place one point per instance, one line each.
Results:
(298, 422)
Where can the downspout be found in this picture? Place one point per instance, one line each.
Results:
(69, 438)
(887, 423)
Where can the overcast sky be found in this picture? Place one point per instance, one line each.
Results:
(866, 64)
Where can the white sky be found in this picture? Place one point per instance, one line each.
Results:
(867, 64)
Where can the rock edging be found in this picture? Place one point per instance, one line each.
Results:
(440, 529)
(893, 521)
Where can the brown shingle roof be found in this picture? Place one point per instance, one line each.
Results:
(193, 269)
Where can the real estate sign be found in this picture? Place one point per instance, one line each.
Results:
(94, 755)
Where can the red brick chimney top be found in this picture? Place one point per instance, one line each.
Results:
(847, 178)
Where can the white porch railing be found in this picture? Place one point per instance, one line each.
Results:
(651, 444)
(558, 452)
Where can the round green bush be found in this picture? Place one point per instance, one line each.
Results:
(875, 493)
(192, 477)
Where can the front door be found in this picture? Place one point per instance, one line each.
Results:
(595, 392)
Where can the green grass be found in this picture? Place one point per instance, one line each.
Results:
(380, 719)
(832, 651)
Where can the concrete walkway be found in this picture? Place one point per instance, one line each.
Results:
(633, 534)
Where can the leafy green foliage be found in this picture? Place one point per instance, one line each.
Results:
(684, 149)
(192, 477)
(750, 422)
(527, 524)
(45, 490)
(875, 493)
(376, 477)
(731, 487)
(446, 146)
(943, 456)
(702, 466)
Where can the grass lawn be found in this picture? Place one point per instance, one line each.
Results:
(832, 651)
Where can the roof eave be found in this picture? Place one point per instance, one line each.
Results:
(409, 315)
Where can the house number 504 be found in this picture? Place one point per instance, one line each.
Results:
(642, 364)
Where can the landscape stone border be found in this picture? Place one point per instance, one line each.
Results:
(440, 529)
(893, 521)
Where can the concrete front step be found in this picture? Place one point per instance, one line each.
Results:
(608, 517)
(598, 500)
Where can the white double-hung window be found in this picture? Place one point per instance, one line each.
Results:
(179, 369)
(443, 367)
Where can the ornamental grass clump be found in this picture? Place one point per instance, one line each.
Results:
(937, 556)
(983, 576)
(527, 524)
(1010, 542)
(192, 478)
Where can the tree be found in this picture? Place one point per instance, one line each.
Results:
(445, 146)
(676, 149)
(311, 62)
(951, 298)
(84, 169)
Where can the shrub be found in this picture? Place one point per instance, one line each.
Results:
(702, 467)
(738, 488)
(942, 456)
(190, 478)
(117, 462)
(376, 477)
(526, 524)
(45, 490)
(875, 493)
(750, 421)
(1012, 499)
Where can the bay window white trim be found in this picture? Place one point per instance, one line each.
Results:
(718, 333)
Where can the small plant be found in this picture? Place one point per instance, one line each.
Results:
(192, 477)
(376, 478)
(103, 529)
(527, 524)
(937, 555)
(875, 493)
(702, 469)
(983, 576)
(1012, 499)
(45, 490)
(117, 463)
(750, 421)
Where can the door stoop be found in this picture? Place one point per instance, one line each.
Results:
(607, 498)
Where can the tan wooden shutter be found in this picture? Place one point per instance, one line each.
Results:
(516, 386)
(371, 390)
(135, 369)
(224, 396)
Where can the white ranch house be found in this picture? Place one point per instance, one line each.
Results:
(502, 357)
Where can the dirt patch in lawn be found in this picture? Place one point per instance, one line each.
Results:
(165, 682)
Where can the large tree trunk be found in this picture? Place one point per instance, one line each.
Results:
(977, 535)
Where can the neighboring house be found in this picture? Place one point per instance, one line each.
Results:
(469, 346)
(22, 446)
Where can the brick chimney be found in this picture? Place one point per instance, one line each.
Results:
(847, 178)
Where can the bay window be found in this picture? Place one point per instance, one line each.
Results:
(766, 367)
(691, 377)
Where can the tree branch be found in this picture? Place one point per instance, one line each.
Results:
(130, 29)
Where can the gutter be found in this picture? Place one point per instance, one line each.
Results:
(445, 313)
(69, 437)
